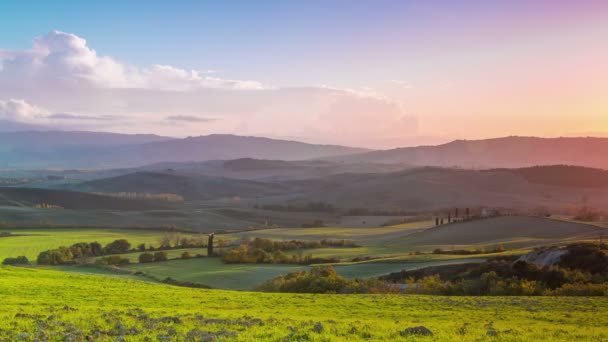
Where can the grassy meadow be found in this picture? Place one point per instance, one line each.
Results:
(55, 306)
(31, 241)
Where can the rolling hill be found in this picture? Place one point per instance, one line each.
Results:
(190, 186)
(432, 188)
(271, 170)
(30, 197)
(509, 152)
(93, 150)
(417, 189)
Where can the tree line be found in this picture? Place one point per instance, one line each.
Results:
(265, 251)
(63, 255)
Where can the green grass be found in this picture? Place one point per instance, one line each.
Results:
(55, 306)
(212, 272)
(30, 242)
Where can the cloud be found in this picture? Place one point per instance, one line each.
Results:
(65, 59)
(189, 118)
(62, 75)
(20, 111)
(68, 116)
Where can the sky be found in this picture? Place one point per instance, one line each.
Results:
(366, 73)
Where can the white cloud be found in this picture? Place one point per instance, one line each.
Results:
(65, 59)
(80, 89)
(20, 111)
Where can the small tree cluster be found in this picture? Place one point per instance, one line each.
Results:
(20, 260)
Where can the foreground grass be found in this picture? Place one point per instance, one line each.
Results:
(55, 306)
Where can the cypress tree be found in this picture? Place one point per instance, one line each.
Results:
(210, 245)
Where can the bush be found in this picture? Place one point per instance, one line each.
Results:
(324, 279)
(146, 257)
(20, 260)
(114, 260)
(186, 255)
(161, 256)
(117, 247)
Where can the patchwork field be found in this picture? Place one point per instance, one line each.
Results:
(50, 305)
(30, 242)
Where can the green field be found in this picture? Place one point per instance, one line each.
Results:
(30, 242)
(55, 306)
(212, 272)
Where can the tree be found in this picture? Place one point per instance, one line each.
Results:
(161, 256)
(96, 248)
(20, 260)
(117, 247)
(210, 245)
(141, 247)
(146, 257)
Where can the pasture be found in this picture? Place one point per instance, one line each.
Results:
(31, 241)
(50, 305)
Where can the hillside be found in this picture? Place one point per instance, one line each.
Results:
(431, 188)
(272, 170)
(64, 150)
(509, 152)
(417, 189)
(30, 197)
(108, 308)
(190, 186)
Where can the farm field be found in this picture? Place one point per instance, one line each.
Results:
(212, 272)
(30, 242)
(42, 304)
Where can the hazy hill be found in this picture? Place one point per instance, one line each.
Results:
(190, 186)
(433, 188)
(226, 147)
(509, 152)
(30, 197)
(419, 189)
(272, 170)
(65, 150)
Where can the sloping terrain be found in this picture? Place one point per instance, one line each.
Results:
(30, 197)
(509, 152)
(431, 188)
(272, 170)
(190, 186)
(76, 306)
(92, 150)
(531, 230)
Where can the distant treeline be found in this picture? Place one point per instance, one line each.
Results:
(481, 250)
(304, 207)
(144, 196)
(266, 251)
(323, 207)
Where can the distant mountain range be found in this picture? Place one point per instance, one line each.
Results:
(91, 150)
(509, 152)
(58, 149)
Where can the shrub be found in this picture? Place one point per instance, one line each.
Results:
(115, 260)
(186, 255)
(20, 260)
(146, 257)
(117, 247)
(161, 256)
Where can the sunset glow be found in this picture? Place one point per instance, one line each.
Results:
(398, 72)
